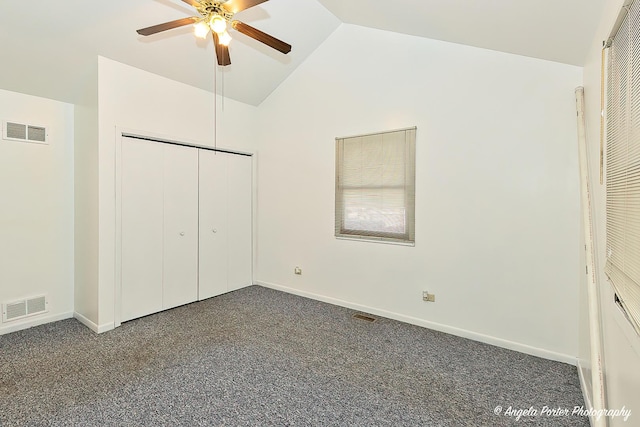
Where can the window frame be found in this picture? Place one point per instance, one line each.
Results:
(407, 238)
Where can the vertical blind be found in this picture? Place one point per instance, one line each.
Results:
(375, 186)
(623, 165)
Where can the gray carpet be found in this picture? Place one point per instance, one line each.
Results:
(259, 357)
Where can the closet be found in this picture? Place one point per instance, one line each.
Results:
(185, 225)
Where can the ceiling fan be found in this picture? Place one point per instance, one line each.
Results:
(216, 16)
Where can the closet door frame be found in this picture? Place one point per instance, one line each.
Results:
(121, 134)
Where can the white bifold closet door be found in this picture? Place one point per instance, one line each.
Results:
(180, 278)
(225, 222)
(159, 211)
(239, 206)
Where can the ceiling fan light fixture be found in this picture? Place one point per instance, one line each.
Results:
(201, 30)
(218, 24)
(224, 38)
(216, 16)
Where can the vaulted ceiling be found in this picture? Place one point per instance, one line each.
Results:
(48, 46)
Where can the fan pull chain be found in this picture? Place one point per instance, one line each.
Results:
(222, 101)
(215, 108)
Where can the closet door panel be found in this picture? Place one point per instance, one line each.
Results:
(213, 224)
(239, 208)
(180, 278)
(141, 228)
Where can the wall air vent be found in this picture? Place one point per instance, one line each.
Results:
(16, 310)
(13, 131)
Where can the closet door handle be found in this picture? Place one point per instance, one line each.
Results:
(214, 230)
(182, 233)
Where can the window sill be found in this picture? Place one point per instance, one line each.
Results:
(370, 240)
(624, 323)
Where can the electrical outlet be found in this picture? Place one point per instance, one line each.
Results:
(298, 271)
(426, 296)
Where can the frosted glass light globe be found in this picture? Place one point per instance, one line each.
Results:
(218, 24)
(201, 30)
(224, 39)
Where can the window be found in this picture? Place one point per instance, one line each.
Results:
(623, 164)
(375, 186)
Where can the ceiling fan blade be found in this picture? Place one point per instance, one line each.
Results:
(235, 6)
(193, 3)
(222, 51)
(265, 38)
(167, 26)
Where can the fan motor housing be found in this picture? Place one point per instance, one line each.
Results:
(211, 8)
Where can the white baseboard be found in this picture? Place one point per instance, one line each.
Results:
(34, 321)
(487, 339)
(98, 329)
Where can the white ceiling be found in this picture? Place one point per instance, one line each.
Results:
(48, 47)
(555, 30)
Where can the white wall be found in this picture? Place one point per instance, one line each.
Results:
(497, 208)
(132, 99)
(36, 209)
(621, 343)
(86, 197)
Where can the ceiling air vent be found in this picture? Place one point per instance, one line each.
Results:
(22, 132)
